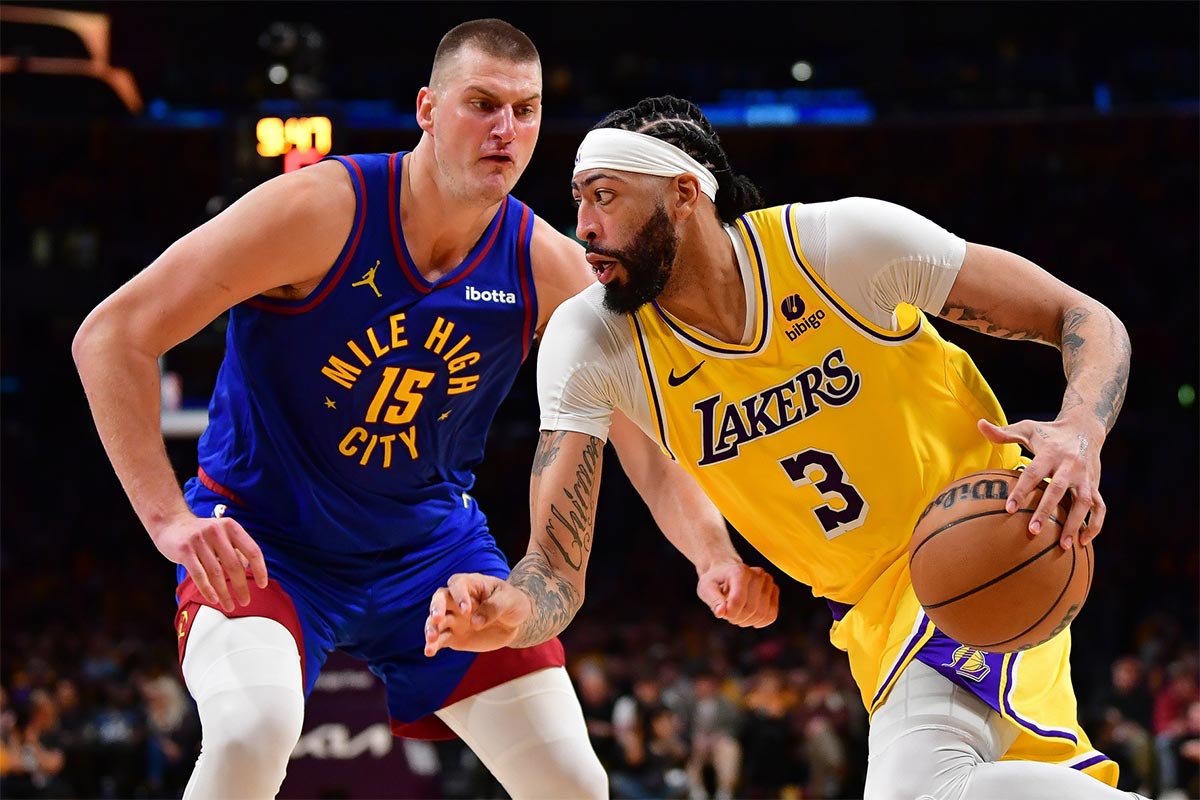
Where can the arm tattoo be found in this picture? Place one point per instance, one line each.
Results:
(1071, 399)
(978, 320)
(1072, 339)
(547, 450)
(555, 600)
(1112, 393)
(1074, 345)
(570, 527)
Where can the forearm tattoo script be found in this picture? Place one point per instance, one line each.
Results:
(569, 529)
(570, 524)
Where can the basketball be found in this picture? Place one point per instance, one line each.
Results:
(982, 579)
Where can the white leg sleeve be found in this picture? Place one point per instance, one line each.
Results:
(245, 676)
(932, 740)
(530, 734)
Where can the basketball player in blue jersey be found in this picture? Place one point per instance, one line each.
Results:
(783, 357)
(379, 309)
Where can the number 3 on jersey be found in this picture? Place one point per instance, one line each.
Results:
(848, 509)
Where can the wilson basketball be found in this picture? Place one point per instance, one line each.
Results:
(982, 579)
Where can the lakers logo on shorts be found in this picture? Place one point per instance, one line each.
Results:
(968, 662)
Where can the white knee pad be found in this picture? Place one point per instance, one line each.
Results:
(245, 676)
(531, 735)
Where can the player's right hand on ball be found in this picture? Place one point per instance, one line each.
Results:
(216, 552)
(475, 613)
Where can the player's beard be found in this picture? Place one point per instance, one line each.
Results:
(647, 261)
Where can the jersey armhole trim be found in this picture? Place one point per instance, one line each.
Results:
(525, 279)
(851, 316)
(646, 367)
(715, 347)
(276, 305)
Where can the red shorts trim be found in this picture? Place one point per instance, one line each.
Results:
(272, 602)
(217, 488)
(487, 670)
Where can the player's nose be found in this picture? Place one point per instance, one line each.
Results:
(587, 228)
(505, 128)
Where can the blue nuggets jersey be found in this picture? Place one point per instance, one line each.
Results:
(352, 420)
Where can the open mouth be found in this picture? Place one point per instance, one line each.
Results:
(602, 267)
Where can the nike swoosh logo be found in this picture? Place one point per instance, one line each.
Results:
(676, 380)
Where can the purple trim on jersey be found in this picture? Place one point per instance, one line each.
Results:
(1091, 762)
(659, 415)
(1056, 733)
(982, 674)
(277, 305)
(402, 255)
(848, 313)
(914, 641)
(764, 304)
(839, 610)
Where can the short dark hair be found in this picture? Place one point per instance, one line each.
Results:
(681, 122)
(493, 37)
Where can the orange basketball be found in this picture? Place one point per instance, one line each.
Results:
(983, 579)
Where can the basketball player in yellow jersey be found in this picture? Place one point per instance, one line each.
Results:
(783, 357)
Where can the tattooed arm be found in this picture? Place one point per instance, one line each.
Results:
(563, 487)
(1005, 295)
(545, 589)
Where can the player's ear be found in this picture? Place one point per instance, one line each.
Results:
(686, 188)
(425, 109)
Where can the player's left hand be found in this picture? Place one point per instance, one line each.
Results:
(740, 595)
(1067, 454)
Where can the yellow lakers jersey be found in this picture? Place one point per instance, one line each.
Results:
(823, 436)
(821, 439)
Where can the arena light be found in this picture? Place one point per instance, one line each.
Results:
(93, 31)
(1187, 395)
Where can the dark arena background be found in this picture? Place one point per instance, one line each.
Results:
(1066, 132)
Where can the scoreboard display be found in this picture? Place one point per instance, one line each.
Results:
(300, 140)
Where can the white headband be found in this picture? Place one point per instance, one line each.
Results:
(628, 151)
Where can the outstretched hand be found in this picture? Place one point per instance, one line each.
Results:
(475, 613)
(740, 595)
(1066, 454)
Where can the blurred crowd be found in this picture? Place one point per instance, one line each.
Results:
(688, 709)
